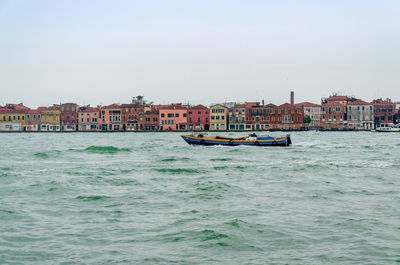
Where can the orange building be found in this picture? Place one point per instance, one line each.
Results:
(111, 118)
(88, 118)
(173, 117)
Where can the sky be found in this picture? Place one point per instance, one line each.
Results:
(197, 52)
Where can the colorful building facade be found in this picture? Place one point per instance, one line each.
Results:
(198, 118)
(384, 110)
(89, 118)
(69, 117)
(111, 118)
(50, 119)
(219, 118)
(173, 117)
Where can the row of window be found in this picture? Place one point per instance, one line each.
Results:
(199, 112)
(198, 119)
(172, 115)
(67, 108)
(363, 107)
(94, 120)
(14, 118)
(87, 114)
(217, 117)
(218, 111)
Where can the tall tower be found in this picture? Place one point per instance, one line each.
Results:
(291, 97)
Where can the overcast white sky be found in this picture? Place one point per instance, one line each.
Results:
(101, 52)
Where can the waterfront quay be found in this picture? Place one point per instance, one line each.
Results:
(336, 112)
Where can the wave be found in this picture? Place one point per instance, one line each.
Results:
(220, 167)
(173, 158)
(220, 159)
(97, 149)
(91, 198)
(48, 154)
(178, 171)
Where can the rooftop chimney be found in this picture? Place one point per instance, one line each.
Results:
(291, 98)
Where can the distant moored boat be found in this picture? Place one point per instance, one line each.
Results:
(252, 139)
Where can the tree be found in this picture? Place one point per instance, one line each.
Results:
(307, 119)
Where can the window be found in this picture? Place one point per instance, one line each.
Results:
(176, 115)
(184, 115)
(162, 115)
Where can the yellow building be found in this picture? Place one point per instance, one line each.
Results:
(218, 118)
(50, 119)
(12, 120)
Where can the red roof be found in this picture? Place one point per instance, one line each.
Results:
(35, 111)
(199, 107)
(247, 105)
(172, 106)
(16, 106)
(89, 109)
(359, 102)
(337, 98)
(10, 111)
(286, 105)
(307, 104)
(112, 106)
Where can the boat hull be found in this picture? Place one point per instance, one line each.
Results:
(267, 141)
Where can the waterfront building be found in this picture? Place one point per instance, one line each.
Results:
(172, 117)
(219, 117)
(69, 117)
(89, 118)
(111, 118)
(360, 115)
(33, 119)
(384, 111)
(50, 119)
(271, 115)
(12, 120)
(150, 121)
(290, 116)
(237, 116)
(132, 116)
(334, 111)
(256, 116)
(313, 112)
(198, 118)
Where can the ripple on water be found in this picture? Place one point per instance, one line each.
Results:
(174, 158)
(179, 171)
(220, 159)
(45, 155)
(97, 149)
(92, 198)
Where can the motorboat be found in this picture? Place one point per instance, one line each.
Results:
(251, 139)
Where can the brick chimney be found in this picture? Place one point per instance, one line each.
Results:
(291, 97)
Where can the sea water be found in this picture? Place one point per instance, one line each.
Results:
(150, 198)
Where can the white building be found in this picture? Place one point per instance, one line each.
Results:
(313, 111)
(360, 115)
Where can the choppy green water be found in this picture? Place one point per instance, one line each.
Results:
(149, 198)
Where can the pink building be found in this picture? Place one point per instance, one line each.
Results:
(88, 118)
(173, 117)
(198, 118)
